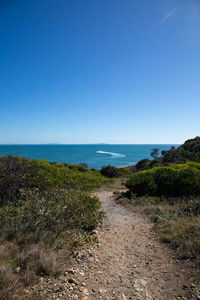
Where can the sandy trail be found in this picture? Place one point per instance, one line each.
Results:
(130, 263)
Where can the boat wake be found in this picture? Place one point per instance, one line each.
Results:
(114, 155)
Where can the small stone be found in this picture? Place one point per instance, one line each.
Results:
(185, 286)
(71, 271)
(26, 291)
(84, 298)
(82, 273)
(102, 291)
(72, 280)
(83, 284)
(18, 269)
(84, 290)
(89, 251)
(124, 297)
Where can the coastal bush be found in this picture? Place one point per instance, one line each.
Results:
(113, 172)
(142, 183)
(110, 171)
(197, 157)
(45, 211)
(124, 172)
(176, 180)
(143, 164)
(154, 152)
(189, 151)
(42, 228)
(44, 216)
(18, 173)
(80, 168)
(186, 152)
(86, 181)
(84, 165)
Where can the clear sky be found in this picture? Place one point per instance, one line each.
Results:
(89, 71)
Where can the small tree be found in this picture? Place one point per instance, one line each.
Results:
(84, 165)
(154, 152)
(163, 152)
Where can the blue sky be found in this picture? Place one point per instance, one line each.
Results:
(113, 71)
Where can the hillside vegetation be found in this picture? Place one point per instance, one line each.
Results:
(45, 211)
(174, 181)
(189, 151)
(168, 191)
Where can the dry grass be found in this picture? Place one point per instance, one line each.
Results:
(177, 224)
(183, 234)
(40, 260)
(9, 283)
(22, 267)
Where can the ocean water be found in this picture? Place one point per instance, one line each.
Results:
(95, 156)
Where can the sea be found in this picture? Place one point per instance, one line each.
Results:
(95, 156)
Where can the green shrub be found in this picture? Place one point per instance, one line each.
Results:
(113, 172)
(124, 172)
(190, 208)
(20, 173)
(186, 152)
(41, 204)
(44, 216)
(174, 181)
(110, 171)
(85, 181)
(80, 168)
(143, 164)
(141, 184)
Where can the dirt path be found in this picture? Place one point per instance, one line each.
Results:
(130, 263)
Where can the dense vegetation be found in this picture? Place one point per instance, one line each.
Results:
(113, 172)
(189, 151)
(174, 181)
(44, 208)
(167, 189)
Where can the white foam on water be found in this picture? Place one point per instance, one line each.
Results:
(111, 153)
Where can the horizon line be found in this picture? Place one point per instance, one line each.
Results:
(102, 144)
